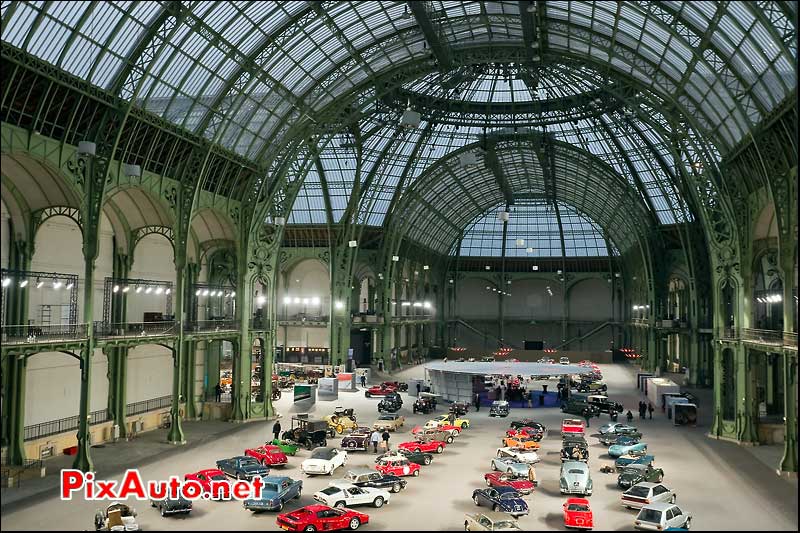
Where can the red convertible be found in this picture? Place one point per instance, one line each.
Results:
(321, 518)
(397, 465)
(578, 514)
(427, 446)
(268, 455)
(380, 390)
(502, 479)
(222, 488)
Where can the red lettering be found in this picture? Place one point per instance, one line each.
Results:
(106, 490)
(132, 486)
(241, 490)
(257, 485)
(192, 489)
(174, 487)
(220, 489)
(71, 481)
(157, 490)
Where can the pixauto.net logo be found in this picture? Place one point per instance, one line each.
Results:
(75, 483)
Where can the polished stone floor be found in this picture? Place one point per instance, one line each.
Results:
(722, 485)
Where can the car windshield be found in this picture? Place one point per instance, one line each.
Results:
(505, 524)
(638, 491)
(330, 490)
(509, 495)
(650, 515)
(322, 453)
(269, 487)
(386, 417)
(576, 471)
(578, 507)
(248, 462)
(632, 469)
(218, 477)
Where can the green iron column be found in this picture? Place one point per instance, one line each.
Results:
(118, 355)
(213, 355)
(175, 435)
(190, 347)
(717, 424)
(340, 321)
(14, 366)
(746, 398)
(789, 461)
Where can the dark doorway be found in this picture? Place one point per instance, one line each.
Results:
(361, 343)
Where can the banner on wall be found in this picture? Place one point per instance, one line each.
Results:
(302, 392)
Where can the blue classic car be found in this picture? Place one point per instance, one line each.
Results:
(502, 499)
(612, 438)
(242, 467)
(275, 491)
(617, 450)
(626, 460)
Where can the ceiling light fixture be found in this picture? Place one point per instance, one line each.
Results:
(126, 288)
(23, 283)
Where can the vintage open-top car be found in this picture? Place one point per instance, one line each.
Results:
(436, 434)
(364, 477)
(343, 494)
(503, 479)
(521, 456)
(340, 422)
(427, 446)
(510, 466)
(503, 499)
(578, 514)
(389, 421)
(401, 386)
(612, 438)
(324, 460)
(526, 422)
(321, 518)
(275, 492)
(390, 404)
(459, 408)
(286, 446)
(268, 454)
(619, 428)
(633, 474)
(423, 405)
(490, 521)
(116, 517)
(379, 390)
(574, 451)
(521, 442)
(444, 420)
(397, 465)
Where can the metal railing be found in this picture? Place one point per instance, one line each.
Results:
(789, 339)
(62, 425)
(35, 333)
(70, 423)
(765, 336)
(135, 329)
(259, 323)
(211, 325)
(302, 317)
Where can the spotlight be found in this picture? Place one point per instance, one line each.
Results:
(39, 283)
(315, 300)
(57, 285)
(168, 291)
(197, 292)
(6, 282)
(296, 300)
(23, 283)
(138, 289)
(426, 305)
(126, 288)
(233, 294)
(148, 290)
(339, 304)
(425, 267)
(305, 301)
(205, 292)
(261, 300)
(287, 300)
(116, 288)
(69, 285)
(159, 290)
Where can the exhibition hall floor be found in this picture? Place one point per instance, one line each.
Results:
(722, 485)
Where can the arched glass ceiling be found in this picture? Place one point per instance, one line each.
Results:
(537, 224)
(235, 71)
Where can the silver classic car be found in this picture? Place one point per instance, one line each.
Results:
(490, 522)
(575, 478)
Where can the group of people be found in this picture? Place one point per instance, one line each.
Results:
(644, 408)
(376, 437)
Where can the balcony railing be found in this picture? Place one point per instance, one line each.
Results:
(202, 326)
(301, 317)
(259, 323)
(764, 336)
(135, 329)
(31, 333)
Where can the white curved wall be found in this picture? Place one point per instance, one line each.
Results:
(308, 279)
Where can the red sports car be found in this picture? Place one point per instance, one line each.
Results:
(502, 479)
(206, 477)
(321, 518)
(268, 455)
(379, 390)
(578, 514)
(427, 446)
(397, 465)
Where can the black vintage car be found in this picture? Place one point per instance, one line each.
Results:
(309, 433)
(179, 505)
(459, 408)
(499, 408)
(390, 404)
(604, 404)
(356, 441)
(577, 407)
(423, 405)
(574, 451)
(365, 477)
(525, 422)
(420, 458)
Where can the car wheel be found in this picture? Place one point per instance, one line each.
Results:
(354, 523)
(339, 429)
(396, 488)
(495, 508)
(450, 439)
(439, 449)
(378, 503)
(416, 473)
(163, 512)
(475, 499)
(367, 394)
(351, 444)
(418, 450)
(280, 507)
(687, 524)
(339, 505)
(509, 471)
(427, 460)
(310, 528)
(466, 525)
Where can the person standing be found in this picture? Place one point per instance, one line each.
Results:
(375, 438)
(477, 401)
(276, 430)
(218, 392)
(588, 416)
(532, 475)
(650, 409)
(385, 438)
(419, 388)
(629, 416)
(530, 400)
(641, 409)
(364, 380)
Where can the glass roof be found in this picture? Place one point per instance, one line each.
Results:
(534, 231)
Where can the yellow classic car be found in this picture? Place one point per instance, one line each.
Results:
(444, 420)
(340, 423)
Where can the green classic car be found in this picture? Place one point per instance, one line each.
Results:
(286, 447)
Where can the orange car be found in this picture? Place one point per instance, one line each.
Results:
(525, 444)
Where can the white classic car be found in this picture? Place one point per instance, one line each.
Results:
(324, 461)
(344, 494)
(645, 493)
(520, 456)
